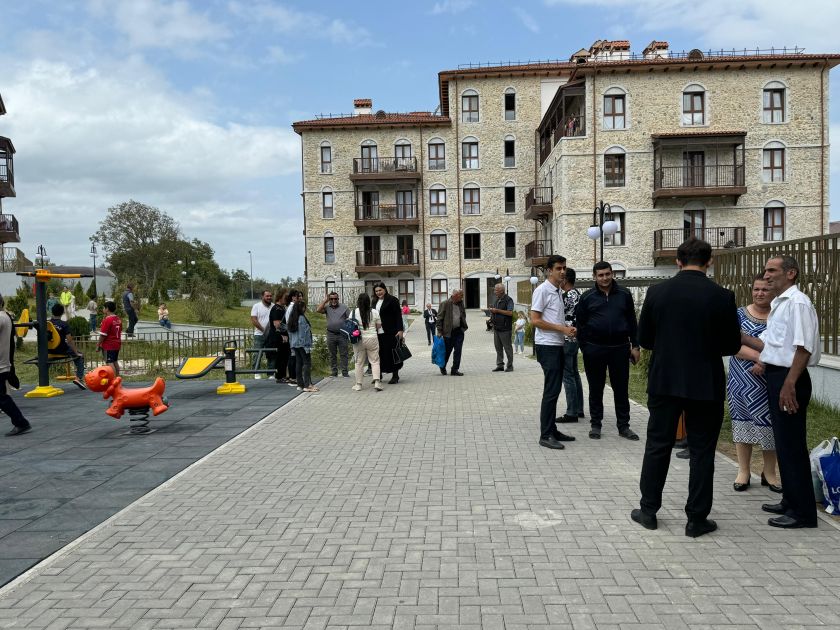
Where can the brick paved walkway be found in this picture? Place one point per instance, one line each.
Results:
(429, 505)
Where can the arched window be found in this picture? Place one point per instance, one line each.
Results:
(326, 158)
(615, 108)
(694, 105)
(774, 221)
(615, 167)
(437, 154)
(510, 104)
(616, 214)
(327, 203)
(510, 242)
(329, 248)
(440, 290)
(369, 162)
(510, 198)
(469, 106)
(774, 102)
(472, 244)
(437, 200)
(438, 245)
(510, 151)
(402, 151)
(773, 162)
(469, 153)
(472, 199)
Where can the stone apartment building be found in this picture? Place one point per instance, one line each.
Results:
(730, 146)
(11, 258)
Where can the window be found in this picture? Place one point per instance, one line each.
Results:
(617, 215)
(773, 103)
(510, 244)
(406, 290)
(510, 152)
(694, 105)
(437, 201)
(437, 246)
(326, 159)
(402, 151)
(510, 104)
(329, 249)
(405, 204)
(472, 200)
(614, 168)
(774, 221)
(329, 286)
(773, 163)
(469, 106)
(472, 245)
(437, 155)
(439, 290)
(614, 110)
(510, 198)
(369, 162)
(469, 153)
(327, 205)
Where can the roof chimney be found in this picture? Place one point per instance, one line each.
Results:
(362, 106)
(655, 50)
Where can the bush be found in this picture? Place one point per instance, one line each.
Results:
(205, 302)
(19, 301)
(79, 327)
(79, 294)
(91, 291)
(321, 356)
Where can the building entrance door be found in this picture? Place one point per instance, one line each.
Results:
(472, 293)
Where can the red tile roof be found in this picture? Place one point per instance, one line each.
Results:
(696, 134)
(362, 102)
(366, 120)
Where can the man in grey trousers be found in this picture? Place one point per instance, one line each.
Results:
(336, 313)
(501, 314)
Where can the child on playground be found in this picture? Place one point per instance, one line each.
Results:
(163, 316)
(110, 340)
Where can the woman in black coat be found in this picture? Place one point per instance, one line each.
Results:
(279, 336)
(392, 330)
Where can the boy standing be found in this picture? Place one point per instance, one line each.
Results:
(110, 341)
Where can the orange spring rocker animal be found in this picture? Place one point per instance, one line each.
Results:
(103, 379)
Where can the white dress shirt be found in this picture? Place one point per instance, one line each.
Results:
(548, 300)
(792, 322)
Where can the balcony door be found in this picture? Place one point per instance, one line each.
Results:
(369, 162)
(405, 204)
(370, 205)
(694, 165)
(405, 249)
(373, 252)
(694, 223)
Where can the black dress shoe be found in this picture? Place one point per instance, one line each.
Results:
(740, 487)
(595, 433)
(693, 529)
(19, 430)
(456, 373)
(581, 415)
(566, 419)
(443, 371)
(551, 442)
(788, 522)
(774, 508)
(629, 434)
(773, 487)
(683, 443)
(509, 368)
(498, 368)
(394, 380)
(684, 454)
(648, 521)
(562, 437)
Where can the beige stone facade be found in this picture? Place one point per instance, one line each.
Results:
(655, 195)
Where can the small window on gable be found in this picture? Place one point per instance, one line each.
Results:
(510, 104)
(326, 158)
(694, 105)
(469, 106)
(773, 103)
(615, 109)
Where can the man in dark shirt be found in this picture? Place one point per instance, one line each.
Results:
(65, 345)
(606, 325)
(501, 315)
(337, 313)
(130, 306)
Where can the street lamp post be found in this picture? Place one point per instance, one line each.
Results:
(186, 265)
(251, 276)
(599, 227)
(507, 281)
(93, 254)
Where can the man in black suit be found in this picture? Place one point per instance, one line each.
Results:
(689, 323)
(430, 318)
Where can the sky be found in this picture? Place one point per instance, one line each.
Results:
(187, 105)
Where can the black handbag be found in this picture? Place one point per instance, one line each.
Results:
(401, 352)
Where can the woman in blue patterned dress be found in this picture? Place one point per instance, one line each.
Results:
(746, 391)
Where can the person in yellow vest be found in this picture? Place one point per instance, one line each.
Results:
(65, 299)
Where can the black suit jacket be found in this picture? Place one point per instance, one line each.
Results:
(427, 313)
(391, 315)
(690, 323)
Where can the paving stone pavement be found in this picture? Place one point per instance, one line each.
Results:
(429, 505)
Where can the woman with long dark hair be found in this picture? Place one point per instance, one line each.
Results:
(291, 297)
(280, 336)
(392, 333)
(300, 340)
(366, 348)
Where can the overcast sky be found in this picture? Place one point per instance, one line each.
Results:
(187, 105)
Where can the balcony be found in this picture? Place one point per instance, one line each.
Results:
(537, 253)
(538, 203)
(9, 232)
(384, 169)
(666, 242)
(698, 181)
(383, 215)
(7, 170)
(13, 260)
(387, 260)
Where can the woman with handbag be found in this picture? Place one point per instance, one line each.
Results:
(300, 340)
(366, 349)
(280, 336)
(391, 337)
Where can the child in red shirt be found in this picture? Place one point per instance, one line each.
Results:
(110, 340)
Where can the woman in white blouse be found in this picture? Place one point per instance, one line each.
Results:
(366, 349)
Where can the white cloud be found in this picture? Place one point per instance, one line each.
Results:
(451, 6)
(160, 23)
(528, 20)
(279, 55)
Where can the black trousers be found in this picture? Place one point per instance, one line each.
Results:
(703, 419)
(551, 359)
(8, 406)
(132, 321)
(597, 361)
(282, 360)
(792, 445)
(430, 332)
(453, 345)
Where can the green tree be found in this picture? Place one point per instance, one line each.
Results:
(79, 294)
(91, 291)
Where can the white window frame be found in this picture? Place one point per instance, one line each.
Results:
(470, 140)
(470, 92)
(325, 145)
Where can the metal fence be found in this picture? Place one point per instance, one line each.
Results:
(819, 277)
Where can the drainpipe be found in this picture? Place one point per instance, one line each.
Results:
(422, 213)
(303, 203)
(594, 162)
(822, 147)
(458, 191)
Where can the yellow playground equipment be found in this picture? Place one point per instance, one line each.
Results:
(196, 367)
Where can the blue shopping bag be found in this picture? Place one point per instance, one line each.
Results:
(438, 352)
(830, 475)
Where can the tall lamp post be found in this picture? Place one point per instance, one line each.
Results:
(186, 265)
(93, 254)
(251, 275)
(599, 227)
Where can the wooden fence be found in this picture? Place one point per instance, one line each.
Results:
(819, 276)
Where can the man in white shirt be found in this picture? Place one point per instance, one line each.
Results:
(788, 346)
(259, 319)
(549, 318)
